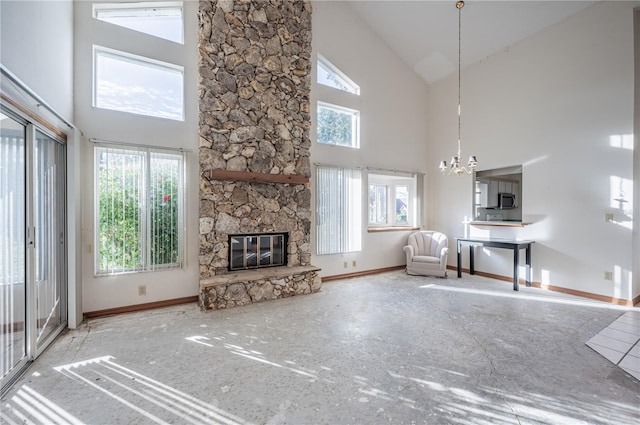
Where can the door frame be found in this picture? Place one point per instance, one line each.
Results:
(34, 348)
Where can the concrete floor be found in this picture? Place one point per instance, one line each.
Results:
(389, 348)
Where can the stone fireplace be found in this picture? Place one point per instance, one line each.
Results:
(255, 65)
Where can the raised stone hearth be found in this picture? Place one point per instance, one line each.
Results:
(247, 287)
(255, 65)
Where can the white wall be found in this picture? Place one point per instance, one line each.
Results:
(115, 291)
(636, 158)
(393, 112)
(36, 44)
(551, 103)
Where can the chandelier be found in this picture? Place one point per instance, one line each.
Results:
(455, 167)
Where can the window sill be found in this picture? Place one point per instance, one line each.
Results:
(136, 271)
(334, 145)
(391, 229)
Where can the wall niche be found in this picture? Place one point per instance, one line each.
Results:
(497, 195)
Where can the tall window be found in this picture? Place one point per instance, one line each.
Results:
(160, 19)
(139, 204)
(338, 210)
(392, 200)
(138, 85)
(338, 126)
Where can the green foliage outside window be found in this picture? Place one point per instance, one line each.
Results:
(164, 213)
(335, 127)
(138, 212)
(120, 242)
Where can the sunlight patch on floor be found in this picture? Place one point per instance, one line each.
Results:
(143, 395)
(522, 296)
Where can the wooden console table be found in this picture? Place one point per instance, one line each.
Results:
(513, 245)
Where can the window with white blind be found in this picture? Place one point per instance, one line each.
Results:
(139, 209)
(338, 210)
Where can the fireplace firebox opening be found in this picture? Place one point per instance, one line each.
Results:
(257, 250)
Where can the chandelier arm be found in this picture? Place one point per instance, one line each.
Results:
(457, 171)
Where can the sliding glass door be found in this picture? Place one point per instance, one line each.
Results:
(49, 265)
(13, 264)
(32, 242)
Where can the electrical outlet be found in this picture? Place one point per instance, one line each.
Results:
(608, 217)
(346, 265)
(608, 275)
(353, 263)
(142, 290)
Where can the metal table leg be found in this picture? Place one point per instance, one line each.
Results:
(528, 261)
(516, 260)
(459, 259)
(472, 260)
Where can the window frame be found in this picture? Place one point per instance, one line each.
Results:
(144, 203)
(355, 124)
(392, 182)
(173, 5)
(322, 62)
(139, 60)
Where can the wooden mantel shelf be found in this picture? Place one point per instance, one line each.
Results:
(248, 176)
(499, 223)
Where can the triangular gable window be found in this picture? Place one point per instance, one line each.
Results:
(330, 75)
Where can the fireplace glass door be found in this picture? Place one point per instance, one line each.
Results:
(255, 251)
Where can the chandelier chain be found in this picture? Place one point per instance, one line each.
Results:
(456, 168)
(459, 72)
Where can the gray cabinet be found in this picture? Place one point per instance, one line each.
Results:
(487, 192)
(482, 193)
(492, 194)
(507, 187)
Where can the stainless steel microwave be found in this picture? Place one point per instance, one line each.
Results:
(506, 201)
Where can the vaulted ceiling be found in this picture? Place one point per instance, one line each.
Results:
(424, 33)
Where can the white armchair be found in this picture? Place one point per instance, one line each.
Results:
(427, 253)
